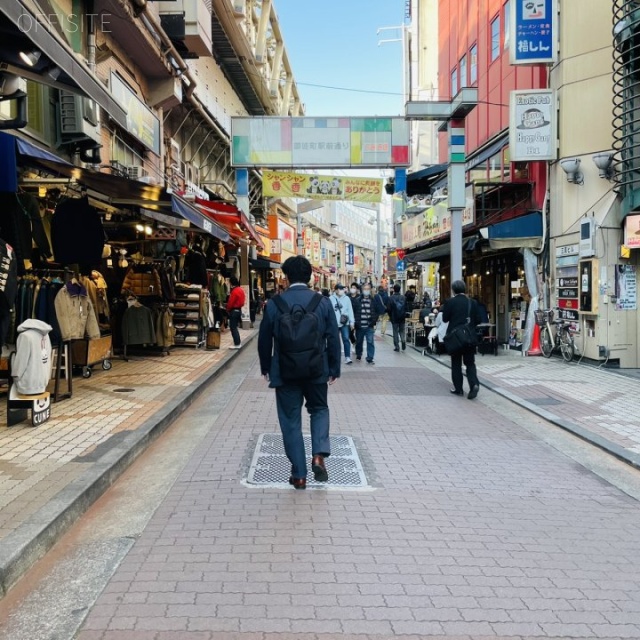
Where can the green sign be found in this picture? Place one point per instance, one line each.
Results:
(142, 124)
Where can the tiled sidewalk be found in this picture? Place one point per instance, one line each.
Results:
(37, 463)
(600, 402)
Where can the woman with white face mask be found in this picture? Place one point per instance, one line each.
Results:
(343, 309)
(366, 319)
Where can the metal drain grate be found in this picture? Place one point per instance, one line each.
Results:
(271, 468)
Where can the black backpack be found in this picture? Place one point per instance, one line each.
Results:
(398, 308)
(300, 342)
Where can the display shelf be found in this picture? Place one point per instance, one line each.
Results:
(187, 318)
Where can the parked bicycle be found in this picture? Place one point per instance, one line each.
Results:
(562, 339)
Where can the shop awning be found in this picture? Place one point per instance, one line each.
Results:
(229, 215)
(121, 191)
(263, 263)
(427, 254)
(191, 213)
(524, 231)
(23, 30)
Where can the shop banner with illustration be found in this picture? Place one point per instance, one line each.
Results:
(282, 184)
(626, 287)
(434, 222)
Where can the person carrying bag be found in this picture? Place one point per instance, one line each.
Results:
(460, 340)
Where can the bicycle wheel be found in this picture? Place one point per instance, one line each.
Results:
(546, 342)
(567, 348)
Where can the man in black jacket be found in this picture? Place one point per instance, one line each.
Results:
(291, 394)
(456, 312)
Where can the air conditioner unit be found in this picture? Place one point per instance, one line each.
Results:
(239, 7)
(153, 181)
(174, 154)
(188, 22)
(136, 172)
(78, 119)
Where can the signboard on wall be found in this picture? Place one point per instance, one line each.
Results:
(286, 235)
(532, 130)
(289, 143)
(142, 124)
(349, 250)
(534, 32)
(626, 287)
(434, 222)
(632, 232)
(281, 184)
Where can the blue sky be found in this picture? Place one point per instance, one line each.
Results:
(334, 43)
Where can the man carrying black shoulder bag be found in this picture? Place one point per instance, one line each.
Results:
(461, 312)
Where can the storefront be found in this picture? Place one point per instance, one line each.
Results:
(108, 260)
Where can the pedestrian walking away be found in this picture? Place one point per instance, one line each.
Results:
(398, 316)
(382, 307)
(234, 309)
(299, 350)
(458, 311)
(344, 317)
(354, 298)
(366, 319)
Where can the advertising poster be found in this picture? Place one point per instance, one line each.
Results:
(626, 287)
(532, 131)
(286, 235)
(317, 187)
(632, 232)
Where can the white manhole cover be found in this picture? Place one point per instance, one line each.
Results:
(271, 468)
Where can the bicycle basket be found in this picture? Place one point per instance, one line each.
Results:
(543, 316)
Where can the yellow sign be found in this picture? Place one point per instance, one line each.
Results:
(312, 186)
(432, 223)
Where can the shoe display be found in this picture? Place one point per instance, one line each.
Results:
(456, 392)
(348, 361)
(319, 469)
(298, 483)
(474, 392)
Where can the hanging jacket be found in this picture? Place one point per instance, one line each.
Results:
(75, 313)
(142, 281)
(31, 366)
(77, 233)
(137, 326)
(8, 287)
(165, 330)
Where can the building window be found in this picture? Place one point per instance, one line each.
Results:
(473, 66)
(454, 82)
(495, 38)
(463, 72)
(507, 23)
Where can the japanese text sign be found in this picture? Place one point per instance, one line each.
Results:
(299, 185)
(534, 28)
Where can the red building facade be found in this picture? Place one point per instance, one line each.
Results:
(474, 45)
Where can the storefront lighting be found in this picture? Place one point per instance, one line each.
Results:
(148, 230)
(42, 191)
(30, 57)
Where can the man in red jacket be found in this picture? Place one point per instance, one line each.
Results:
(234, 309)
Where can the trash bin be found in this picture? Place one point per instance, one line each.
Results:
(213, 339)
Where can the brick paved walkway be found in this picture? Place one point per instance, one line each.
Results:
(36, 463)
(601, 401)
(474, 529)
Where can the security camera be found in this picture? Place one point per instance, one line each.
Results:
(604, 162)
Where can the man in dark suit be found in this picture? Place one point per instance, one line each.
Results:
(290, 395)
(456, 311)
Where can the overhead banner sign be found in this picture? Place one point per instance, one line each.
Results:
(434, 222)
(534, 29)
(289, 143)
(300, 185)
(532, 130)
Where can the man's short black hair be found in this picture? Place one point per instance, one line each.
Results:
(297, 269)
(396, 288)
(356, 285)
(458, 286)
(234, 281)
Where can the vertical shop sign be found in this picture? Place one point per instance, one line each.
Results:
(308, 244)
(349, 255)
(532, 130)
(316, 248)
(534, 29)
